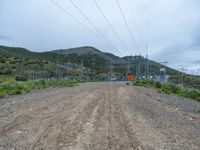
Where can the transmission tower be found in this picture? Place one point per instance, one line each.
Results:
(138, 66)
(81, 68)
(147, 63)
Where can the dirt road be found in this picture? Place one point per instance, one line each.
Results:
(98, 116)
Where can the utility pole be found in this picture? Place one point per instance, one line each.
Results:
(128, 65)
(127, 68)
(147, 62)
(57, 75)
(163, 71)
(183, 71)
(138, 72)
(198, 72)
(93, 71)
(81, 68)
(164, 63)
(139, 69)
(110, 72)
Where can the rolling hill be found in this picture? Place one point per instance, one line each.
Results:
(14, 60)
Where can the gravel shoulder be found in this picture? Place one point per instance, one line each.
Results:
(94, 116)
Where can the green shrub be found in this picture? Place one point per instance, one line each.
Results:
(170, 88)
(15, 91)
(2, 60)
(145, 83)
(2, 94)
(166, 89)
(151, 82)
(21, 77)
(7, 71)
(136, 82)
(9, 86)
(197, 98)
(174, 88)
(27, 89)
(194, 94)
(158, 85)
(181, 92)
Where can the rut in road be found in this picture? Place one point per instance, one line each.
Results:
(43, 119)
(91, 119)
(94, 116)
(107, 128)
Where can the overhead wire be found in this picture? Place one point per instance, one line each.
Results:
(110, 25)
(97, 30)
(74, 18)
(142, 39)
(82, 24)
(127, 26)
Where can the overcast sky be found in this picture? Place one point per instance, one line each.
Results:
(170, 27)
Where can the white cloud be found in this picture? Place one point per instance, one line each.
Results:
(170, 27)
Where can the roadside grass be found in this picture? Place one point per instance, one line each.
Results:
(170, 88)
(9, 86)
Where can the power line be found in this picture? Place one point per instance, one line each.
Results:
(68, 13)
(141, 38)
(74, 18)
(90, 22)
(127, 26)
(77, 20)
(136, 24)
(109, 24)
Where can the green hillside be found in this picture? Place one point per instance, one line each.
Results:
(96, 64)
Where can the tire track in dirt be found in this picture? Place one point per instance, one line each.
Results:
(97, 116)
(71, 129)
(28, 114)
(146, 134)
(23, 103)
(94, 135)
(57, 115)
(121, 126)
(53, 132)
(187, 115)
(174, 128)
(107, 128)
(84, 137)
(29, 96)
(40, 104)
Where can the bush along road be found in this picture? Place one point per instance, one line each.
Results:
(10, 86)
(170, 88)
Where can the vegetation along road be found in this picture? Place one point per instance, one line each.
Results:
(99, 116)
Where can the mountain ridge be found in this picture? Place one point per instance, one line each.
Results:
(92, 58)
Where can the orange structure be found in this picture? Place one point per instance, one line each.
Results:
(130, 77)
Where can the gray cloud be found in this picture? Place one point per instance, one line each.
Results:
(6, 38)
(171, 27)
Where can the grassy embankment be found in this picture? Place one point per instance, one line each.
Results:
(9, 86)
(170, 88)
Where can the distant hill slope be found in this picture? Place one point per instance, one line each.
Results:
(17, 59)
(89, 51)
(17, 51)
(24, 53)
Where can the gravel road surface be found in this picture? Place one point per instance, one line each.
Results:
(99, 116)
